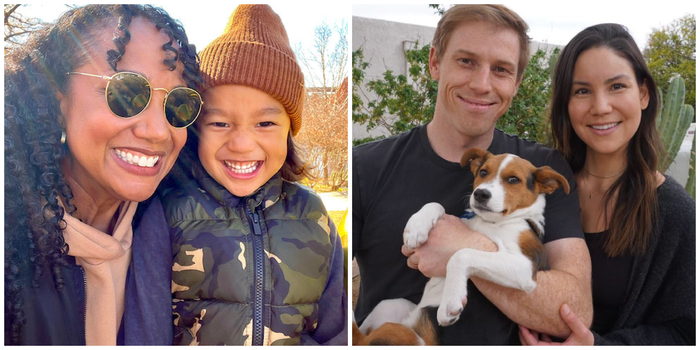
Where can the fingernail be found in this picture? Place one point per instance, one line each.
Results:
(565, 309)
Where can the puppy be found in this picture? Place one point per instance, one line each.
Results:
(389, 324)
(389, 334)
(507, 205)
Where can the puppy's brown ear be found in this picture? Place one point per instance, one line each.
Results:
(475, 156)
(357, 336)
(549, 180)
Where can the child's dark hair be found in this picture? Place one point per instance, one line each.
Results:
(34, 73)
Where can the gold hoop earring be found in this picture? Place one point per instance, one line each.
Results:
(63, 136)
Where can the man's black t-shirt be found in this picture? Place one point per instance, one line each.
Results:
(394, 178)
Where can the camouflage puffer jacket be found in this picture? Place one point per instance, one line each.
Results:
(247, 271)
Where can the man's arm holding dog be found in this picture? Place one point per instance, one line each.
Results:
(567, 281)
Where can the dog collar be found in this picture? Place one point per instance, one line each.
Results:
(468, 214)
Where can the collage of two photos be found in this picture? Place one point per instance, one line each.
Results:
(514, 179)
(348, 175)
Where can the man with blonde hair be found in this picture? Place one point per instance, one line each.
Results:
(478, 57)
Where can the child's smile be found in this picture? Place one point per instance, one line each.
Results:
(243, 170)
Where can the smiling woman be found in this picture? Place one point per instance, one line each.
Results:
(639, 225)
(77, 163)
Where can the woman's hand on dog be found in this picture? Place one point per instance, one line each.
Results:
(449, 234)
(580, 334)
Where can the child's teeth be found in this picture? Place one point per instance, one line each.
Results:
(142, 161)
(242, 168)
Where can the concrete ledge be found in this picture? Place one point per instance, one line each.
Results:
(681, 165)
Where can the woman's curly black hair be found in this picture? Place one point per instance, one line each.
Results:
(34, 73)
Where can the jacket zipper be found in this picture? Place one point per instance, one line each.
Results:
(82, 270)
(259, 278)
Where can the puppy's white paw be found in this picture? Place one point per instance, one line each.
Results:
(416, 231)
(420, 223)
(449, 310)
(529, 286)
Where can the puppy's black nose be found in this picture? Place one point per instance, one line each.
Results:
(481, 195)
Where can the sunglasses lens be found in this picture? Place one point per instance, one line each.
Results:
(182, 107)
(128, 94)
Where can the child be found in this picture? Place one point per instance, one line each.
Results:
(257, 261)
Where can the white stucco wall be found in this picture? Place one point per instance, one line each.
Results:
(382, 43)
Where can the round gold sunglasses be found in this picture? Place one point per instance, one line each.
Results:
(128, 94)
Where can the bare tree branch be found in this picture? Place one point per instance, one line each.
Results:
(18, 26)
(324, 136)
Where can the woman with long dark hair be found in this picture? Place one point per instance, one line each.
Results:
(639, 224)
(96, 107)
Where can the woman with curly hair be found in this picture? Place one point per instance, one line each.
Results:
(96, 110)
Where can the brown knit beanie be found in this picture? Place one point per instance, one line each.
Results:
(254, 51)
